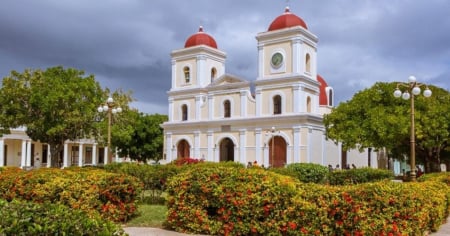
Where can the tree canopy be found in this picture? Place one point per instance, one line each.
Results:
(375, 118)
(54, 105)
(142, 137)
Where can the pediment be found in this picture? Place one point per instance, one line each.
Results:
(227, 79)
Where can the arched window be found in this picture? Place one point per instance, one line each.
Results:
(187, 74)
(308, 104)
(308, 63)
(184, 112)
(213, 73)
(226, 109)
(330, 97)
(277, 104)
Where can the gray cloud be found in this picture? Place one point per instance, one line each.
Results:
(127, 43)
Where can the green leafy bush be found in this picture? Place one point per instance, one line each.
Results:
(90, 190)
(218, 200)
(153, 177)
(223, 200)
(28, 218)
(357, 176)
(305, 172)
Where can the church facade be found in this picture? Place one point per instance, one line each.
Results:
(275, 120)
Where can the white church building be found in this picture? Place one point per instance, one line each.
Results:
(274, 120)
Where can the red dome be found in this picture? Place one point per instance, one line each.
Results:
(323, 96)
(286, 20)
(200, 38)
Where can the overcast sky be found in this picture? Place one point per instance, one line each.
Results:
(127, 43)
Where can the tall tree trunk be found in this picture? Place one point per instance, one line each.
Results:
(55, 150)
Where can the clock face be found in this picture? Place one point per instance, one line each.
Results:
(277, 60)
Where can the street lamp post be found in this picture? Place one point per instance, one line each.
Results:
(413, 88)
(109, 107)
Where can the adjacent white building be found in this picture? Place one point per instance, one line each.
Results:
(276, 120)
(17, 149)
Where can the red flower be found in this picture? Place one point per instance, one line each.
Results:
(292, 225)
(303, 230)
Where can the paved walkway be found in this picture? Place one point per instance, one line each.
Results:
(444, 230)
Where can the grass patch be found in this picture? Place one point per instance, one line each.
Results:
(149, 216)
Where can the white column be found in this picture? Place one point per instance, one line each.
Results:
(94, 154)
(105, 153)
(260, 61)
(216, 153)
(243, 103)
(258, 102)
(2, 153)
(297, 62)
(66, 155)
(210, 146)
(23, 161)
(242, 146)
(302, 100)
(266, 155)
(323, 147)
(169, 154)
(201, 71)
(258, 145)
(171, 118)
(210, 106)
(196, 144)
(173, 150)
(308, 146)
(29, 156)
(198, 103)
(296, 101)
(80, 154)
(116, 154)
(297, 144)
(49, 156)
(174, 75)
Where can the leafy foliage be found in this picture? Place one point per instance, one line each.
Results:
(144, 137)
(28, 218)
(358, 176)
(93, 191)
(305, 172)
(54, 105)
(225, 200)
(375, 118)
(154, 177)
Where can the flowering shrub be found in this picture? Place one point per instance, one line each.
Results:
(220, 200)
(186, 161)
(90, 190)
(29, 218)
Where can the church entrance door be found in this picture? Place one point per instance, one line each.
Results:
(277, 151)
(226, 150)
(183, 149)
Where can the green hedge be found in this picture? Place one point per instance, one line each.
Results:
(357, 176)
(218, 200)
(90, 190)
(28, 218)
(154, 177)
(305, 172)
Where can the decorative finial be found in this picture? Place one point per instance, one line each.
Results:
(286, 9)
(200, 28)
